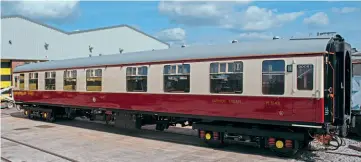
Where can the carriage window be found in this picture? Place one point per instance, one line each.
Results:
(214, 67)
(177, 78)
(94, 80)
(226, 81)
(273, 77)
(50, 80)
(222, 67)
(21, 82)
(16, 81)
(137, 79)
(70, 80)
(305, 77)
(33, 81)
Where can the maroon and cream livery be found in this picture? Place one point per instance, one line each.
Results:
(272, 93)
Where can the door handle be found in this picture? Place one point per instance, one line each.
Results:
(317, 94)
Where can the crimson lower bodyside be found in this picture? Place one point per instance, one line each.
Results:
(245, 107)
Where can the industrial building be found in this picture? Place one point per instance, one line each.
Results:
(25, 40)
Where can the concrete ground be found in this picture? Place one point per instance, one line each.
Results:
(85, 141)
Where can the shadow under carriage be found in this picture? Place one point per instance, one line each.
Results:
(168, 136)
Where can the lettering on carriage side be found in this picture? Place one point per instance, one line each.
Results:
(218, 101)
(222, 101)
(234, 101)
(277, 103)
(31, 93)
(19, 93)
(327, 111)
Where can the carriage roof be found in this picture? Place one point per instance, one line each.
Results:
(241, 49)
(356, 54)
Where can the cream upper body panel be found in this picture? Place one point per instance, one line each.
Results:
(114, 78)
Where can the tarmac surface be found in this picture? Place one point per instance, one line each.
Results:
(25, 140)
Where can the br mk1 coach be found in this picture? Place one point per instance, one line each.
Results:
(277, 94)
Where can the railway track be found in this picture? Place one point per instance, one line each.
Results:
(36, 148)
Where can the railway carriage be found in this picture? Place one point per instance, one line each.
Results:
(275, 94)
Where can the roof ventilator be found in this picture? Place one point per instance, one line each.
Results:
(276, 37)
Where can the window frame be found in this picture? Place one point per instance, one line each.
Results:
(16, 79)
(313, 77)
(23, 79)
(66, 76)
(227, 63)
(94, 76)
(176, 72)
(50, 77)
(31, 77)
(136, 74)
(275, 73)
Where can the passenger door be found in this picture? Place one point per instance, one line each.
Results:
(306, 91)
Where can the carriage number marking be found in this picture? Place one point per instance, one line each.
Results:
(273, 103)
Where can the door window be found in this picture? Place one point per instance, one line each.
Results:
(305, 77)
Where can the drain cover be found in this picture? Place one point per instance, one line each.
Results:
(21, 128)
(44, 126)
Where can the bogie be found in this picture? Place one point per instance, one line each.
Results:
(283, 145)
(212, 139)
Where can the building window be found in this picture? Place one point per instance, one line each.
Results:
(137, 79)
(226, 77)
(273, 77)
(305, 77)
(70, 80)
(50, 80)
(94, 80)
(33, 81)
(177, 78)
(21, 82)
